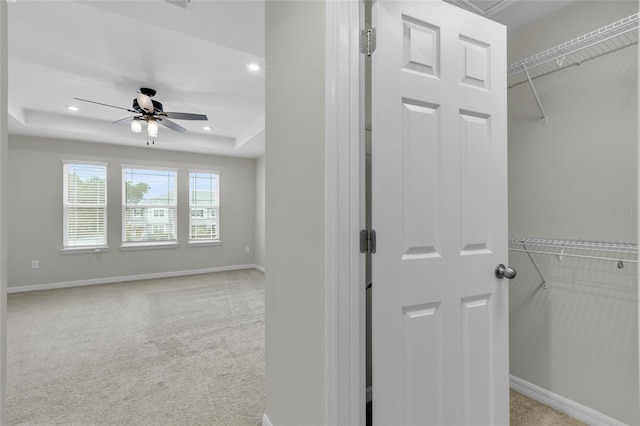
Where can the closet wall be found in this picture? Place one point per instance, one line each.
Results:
(576, 177)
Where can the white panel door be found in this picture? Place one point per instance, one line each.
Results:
(439, 314)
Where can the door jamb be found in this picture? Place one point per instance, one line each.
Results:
(344, 196)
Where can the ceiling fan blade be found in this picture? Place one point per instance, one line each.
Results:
(124, 120)
(170, 124)
(184, 116)
(145, 102)
(100, 103)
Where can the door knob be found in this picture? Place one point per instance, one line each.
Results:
(505, 272)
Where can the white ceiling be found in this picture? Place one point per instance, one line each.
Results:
(194, 56)
(516, 14)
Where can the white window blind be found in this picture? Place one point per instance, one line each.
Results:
(204, 190)
(84, 205)
(148, 205)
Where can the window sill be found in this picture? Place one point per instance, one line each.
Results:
(149, 246)
(84, 250)
(204, 243)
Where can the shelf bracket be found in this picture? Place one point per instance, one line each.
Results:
(535, 94)
(535, 265)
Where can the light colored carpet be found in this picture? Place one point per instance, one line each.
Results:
(528, 412)
(176, 351)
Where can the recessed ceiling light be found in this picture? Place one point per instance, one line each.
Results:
(253, 67)
(207, 128)
(72, 108)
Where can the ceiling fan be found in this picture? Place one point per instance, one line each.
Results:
(151, 113)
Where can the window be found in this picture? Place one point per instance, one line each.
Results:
(204, 190)
(149, 205)
(85, 205)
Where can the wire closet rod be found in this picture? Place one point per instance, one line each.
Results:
(575, 255)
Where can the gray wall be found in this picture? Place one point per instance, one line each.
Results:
(566, 175)
(3, 208)
(576, 177)
(260, 225)
(35, 213)
(295, 213)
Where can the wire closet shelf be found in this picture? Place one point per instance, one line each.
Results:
(607, 250)
(610, 38)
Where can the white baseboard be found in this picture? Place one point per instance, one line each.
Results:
(562, 404)
(266, 421)
(111, 280)
(260, 268)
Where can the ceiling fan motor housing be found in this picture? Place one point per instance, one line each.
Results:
(157, 106)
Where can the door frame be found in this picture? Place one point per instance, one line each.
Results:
(344, 194)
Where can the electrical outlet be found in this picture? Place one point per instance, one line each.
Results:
(247, 249)
(35, 264)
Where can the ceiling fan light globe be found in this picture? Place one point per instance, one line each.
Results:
(152, 128)
(136, 125)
